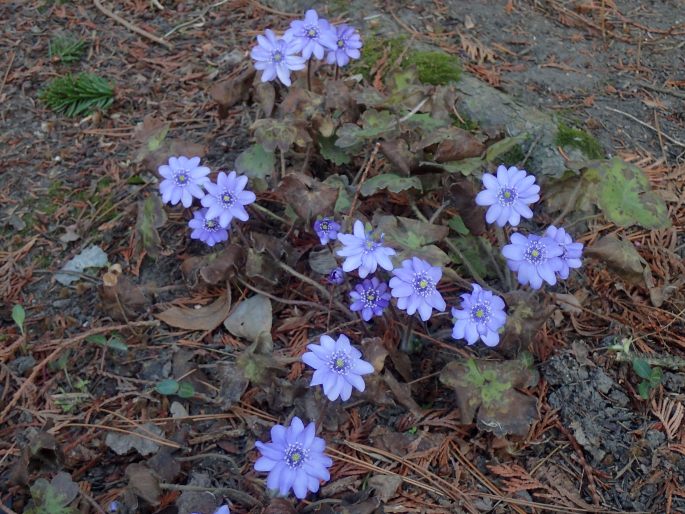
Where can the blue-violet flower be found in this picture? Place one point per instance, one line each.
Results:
(347, 45)
(508, 195)
(275, 57)
(313, 35)
(414, 287)
(336, 277)
(226, 199)
(481, 316)
(339, 367)
(221, 510)
(364, 251)
(327, 229)
(370, 297)
(572, 252)
(534, 258)
(294, 459)
(206, 229)
(183, 180)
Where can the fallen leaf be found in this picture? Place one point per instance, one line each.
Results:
(151, 216)
(462, 195)
(322, 261)
(374, 352)
(233, 383)
(460, 145)
(91, 257)
(156, 148)
(205, 318)
(402, 393)
(385, 486)
(279, 506)
(121, 443)
(221, 266)
(70, 235)
(251, 319)
(620, 256)
(307, 196)
(122, 299)
(265, 94)
(397, 152)
(144, 483)
(232, 91)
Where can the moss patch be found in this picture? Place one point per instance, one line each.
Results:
(376, 48)
(436, 68)
(575, 138)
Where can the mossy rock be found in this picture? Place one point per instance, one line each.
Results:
(576, 138)
(376, 48)
(435, 67)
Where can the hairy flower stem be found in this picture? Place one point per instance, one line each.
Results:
(502, 241)
(309, 74)
(322, 402)
(405, 343)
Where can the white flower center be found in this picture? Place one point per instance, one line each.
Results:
(341, 43)
(211, 225)
(339, 363)
(422, 284)
(277, 56)
(295, 456)
(181, 178)
(536, 252)
(507, 196)
(312, 32)
(370, 298)
(480, 313)
(227, 199)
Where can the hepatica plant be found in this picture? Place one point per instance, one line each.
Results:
(390, 270)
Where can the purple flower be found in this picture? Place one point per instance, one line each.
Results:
(362, 250)
(481, 316)
(370, 297)
(348, 43)
(327, 229)
(311, 35)
(534, 258)
(572, 252)
(183, 180)
(275, 57)
(113, 507)
(414, 287)
(336, 276)
(294, 459)
(226, 198)
(508, 195)
(221, 510)
(206, 229)
(339, 367)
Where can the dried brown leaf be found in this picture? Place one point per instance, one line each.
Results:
(205, 318)
(375, 352)
(460, 145)
(307, 196)
(397, 152)
(230, 92)
(144, 483)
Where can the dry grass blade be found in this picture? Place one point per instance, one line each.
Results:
(476, 50)
(670, 413)
(517, 478)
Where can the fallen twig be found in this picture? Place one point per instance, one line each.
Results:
(130, 26)
(671, 139)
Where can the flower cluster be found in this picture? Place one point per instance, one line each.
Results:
(185, 180)
(313, 36)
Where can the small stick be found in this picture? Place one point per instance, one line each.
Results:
(130, 26)
(7, 73)
(647, 125)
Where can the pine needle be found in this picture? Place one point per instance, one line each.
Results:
(78, 95)
(66, 48)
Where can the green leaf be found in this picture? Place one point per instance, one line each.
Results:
(167, 387)
(656, 376)
(97, 339)
(466, 166)
(642, 368)
(342, 182)
(116, 344)
(457, 224)
(157, 139)
(374, 125)
(389, 181)
(151, 216)
(623, 193)
(186, 390)
(474, 249)
(331, 152)
(424, 122)
(643, 389)
(272, 134)
(503, 146)
(256, 162)
(19, 316)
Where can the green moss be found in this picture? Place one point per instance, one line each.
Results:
(376, 48)
(575, 138)
(513, 156)
(467, 124)
(435, 67)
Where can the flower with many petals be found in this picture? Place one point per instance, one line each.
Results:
(327, 229)
(572, 252)
(206, 229)
(363, 250)
(534, 258)
(227, 199)
(276, 57)
(508, 195)
(414, 286)
(313, 35)
(183, 180)
(347, 45)
(370, 297)
(480, 317)
(221, 510)
(339, 367)
(294, 459)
